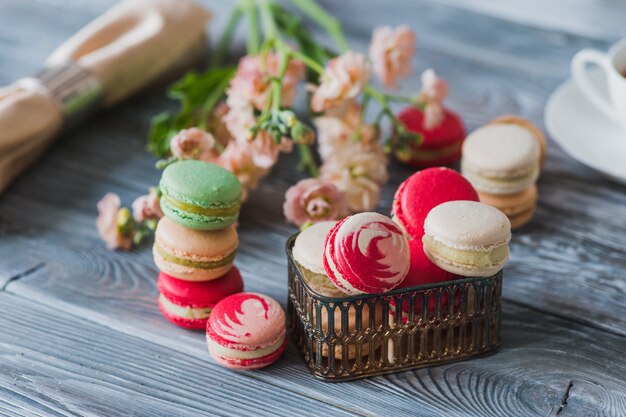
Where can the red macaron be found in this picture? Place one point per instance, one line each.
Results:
(440, 145)
(425, 190)
(423, 272)
(188, 304)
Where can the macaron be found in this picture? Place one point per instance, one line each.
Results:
(421, 272)
(518, 207)
(308, 252)
(200, 195)
(366, 253)
(188, 304)
(528, 125)
(426, 189)
(501, 159)
(440, 145)
(193, 255)
(246, 331)
(467, 238)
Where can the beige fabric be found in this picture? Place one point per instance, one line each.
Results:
(130, 46)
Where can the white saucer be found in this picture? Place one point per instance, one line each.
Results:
(585, 133)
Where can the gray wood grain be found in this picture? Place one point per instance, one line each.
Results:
(563, 325)
(53, 363)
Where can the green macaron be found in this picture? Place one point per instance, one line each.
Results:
(200, 195)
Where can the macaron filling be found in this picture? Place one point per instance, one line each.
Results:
(168, 257)
(225, 352)
(218, 211)
(184, 312)
(463, 257)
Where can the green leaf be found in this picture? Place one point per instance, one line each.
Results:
(161, 131)
(193, 88)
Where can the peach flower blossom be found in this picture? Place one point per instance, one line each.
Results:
(391, 52)
(263, 149)
(107, 223)
(147, 207)
(434, 91)
(237, 158)
(343, 79)
(313, 200)
(336, 132)
(359, 176)
(194, 143)
(251, 84)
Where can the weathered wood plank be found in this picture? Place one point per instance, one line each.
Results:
(592, 18)
(53, 363)
(528, 376)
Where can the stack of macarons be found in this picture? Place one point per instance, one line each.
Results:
(503, 160)
(196, 241)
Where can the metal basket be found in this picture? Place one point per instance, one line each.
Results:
(371, 334)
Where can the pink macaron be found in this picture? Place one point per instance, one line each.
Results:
(246, 331)
(188, 304)
(425, 190)
(366, 253)
(422, 272)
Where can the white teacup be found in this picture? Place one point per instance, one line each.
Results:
(613, 63)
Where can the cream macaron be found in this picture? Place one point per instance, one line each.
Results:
(308, 252)
(194, 255)
(467, 238)
(501, 159)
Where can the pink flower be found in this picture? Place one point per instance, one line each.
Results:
(237, 158)
(107, 223)
(313, 200)
(391, 52)
(343, 79)
(336, 132)
(263, 149)
(434, 88)
(434, 91)
(359, 176)
(194, 143)
(217, 126)
(251, 84)
(147, 207)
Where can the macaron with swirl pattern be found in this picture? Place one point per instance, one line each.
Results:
(366, 253)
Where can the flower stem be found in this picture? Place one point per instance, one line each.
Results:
(306, 160)
(311, 63)
(325, 20)
(252, 40)
(213, 98)
(227, 37)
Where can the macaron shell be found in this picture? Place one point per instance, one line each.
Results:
(190, 246)
(527, 124)
(199, 294)
(449, 132)
(201, 183)
(366, 253)
(468, 225)
(425, 190)
(246, 321)
(308, 249)
(192, 324)
(501, 151)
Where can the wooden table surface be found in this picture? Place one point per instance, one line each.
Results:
(80, 333)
